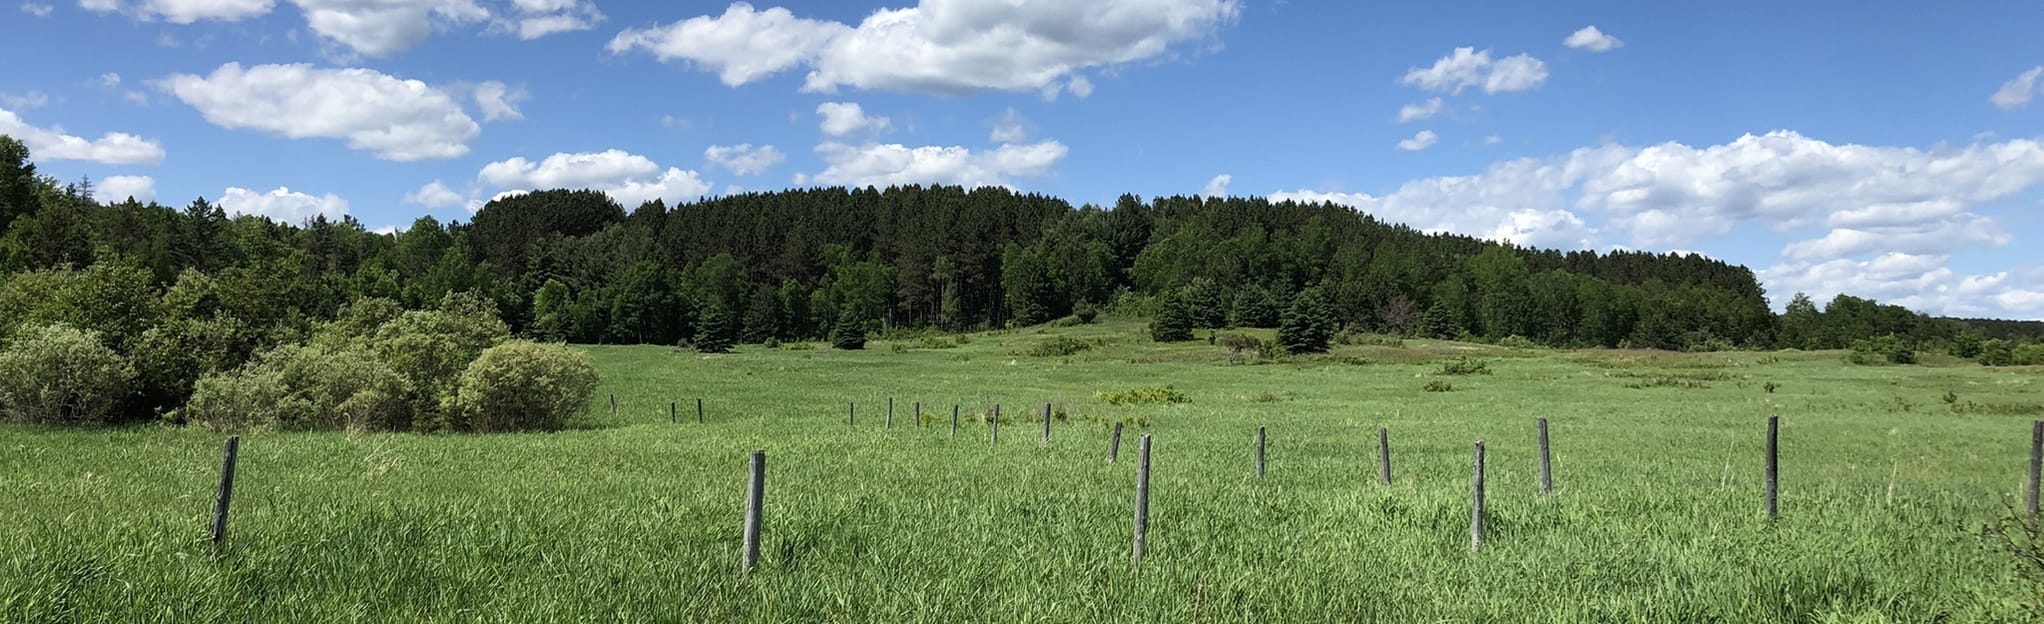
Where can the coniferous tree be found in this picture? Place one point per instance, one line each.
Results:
(849, 334)
(1308, 326)
(716, 329)
(1174, 320)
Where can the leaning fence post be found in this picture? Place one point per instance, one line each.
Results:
(1773, 466)
(1259, 451)
(1114, 445)
(1142, 498)
(755, 494)
(1384, 454)
(227, 460)
(1046, 424)
(1546, 466)
(1476, 503)
(2036, 463)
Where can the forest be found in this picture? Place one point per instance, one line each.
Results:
(184, 294)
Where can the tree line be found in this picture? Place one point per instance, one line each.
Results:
(838, 263)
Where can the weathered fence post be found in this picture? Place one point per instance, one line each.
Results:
(755, 494)
(670, 413)
(613, 406)
(1773, 466)
(2036, 463)
(890, 413)
(919, 414)
(994, 434)
(1114, 445)
(227, 460)
(1259, 451)
(1384, 454)
(1546, 466)
(1046, 424)
(852, 415)
(954, 420)
(1142, 498)
(699, 411)
(1476, 503)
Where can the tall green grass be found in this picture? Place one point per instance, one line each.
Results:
(1656, 516)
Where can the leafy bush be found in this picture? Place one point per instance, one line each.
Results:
(1086, 312)
(1059, 346)
(1353, 337)
(1153, 395)
(1438, 386)
(1997, 353)
(1239, 343)
(1881, 350)
(316, 386)
(1966, 345)
(61, 375)
(1463, 366)
(2029, 354)
(521, 386)
(251, 397)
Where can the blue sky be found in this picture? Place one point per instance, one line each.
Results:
(1885, 149)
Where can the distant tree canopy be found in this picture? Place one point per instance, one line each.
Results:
(187, 293)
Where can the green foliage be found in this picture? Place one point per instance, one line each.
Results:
(1517, 342)
(1438, 385)
(1059, 346)
(1966, 345)
(1257, 306)
(1204, 302)
(1308, 325)
(1997, 353)
(2031, 354)
(1353, 337)
(716, 330)
(61, 375)
(1174, 322)
(521, 386)
(1882, 350)
(848, 335)
(1463, 366)
(1240, 343)
(1086, 312)
(1150, 395)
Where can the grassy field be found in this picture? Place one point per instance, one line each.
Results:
(1887, 475)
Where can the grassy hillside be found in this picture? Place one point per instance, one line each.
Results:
(1887, 475)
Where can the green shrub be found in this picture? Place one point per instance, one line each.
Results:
(1153, 395)
(252, 397)
(1881, 350)
(1059, 346)
(521, 386)
(1086, 312)
(1438, 386)
(61, 375)
(1997, 353)
(848, 335)
(2029, 355)
(1353, 337)
(1239, 343)
(1516, 341)
(1067, 321)
(1463, 366)
(936, 342)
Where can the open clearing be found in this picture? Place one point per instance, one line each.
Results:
(1657, 514)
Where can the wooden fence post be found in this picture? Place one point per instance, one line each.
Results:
(1114, 445)
(852, 415)
(994, 434)
(670, 413)
(1476, 503)
(1384, 454)
(919, 414)
(613, 407)
(1142, 498)
(2036, 464)
(227, 460)
(755, 495)
(890, 414)
(1546, 466)
(1046, 424)
(699, 411)
(954, 420)
(1259, 451)
(1773, 466)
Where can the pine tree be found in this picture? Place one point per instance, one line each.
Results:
(716, 329)
(1173, 322)
(1308, 325)
(849, 334)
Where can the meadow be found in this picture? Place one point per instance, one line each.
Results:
(1888, 475)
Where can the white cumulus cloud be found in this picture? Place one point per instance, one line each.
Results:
(1422, 110)
(629, 178)
(1467, 67)
(937, 46)
(282, 204)
(497, 101)
(843, 118)
(115, 189)
(36, 9)
(1422, 140)
(182, 11)
(1217, 187)
(396, 119)
(743, 158)
(891, 164)
(435, 194)
(112, 148)
(1589, 38)
(2017, 92)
